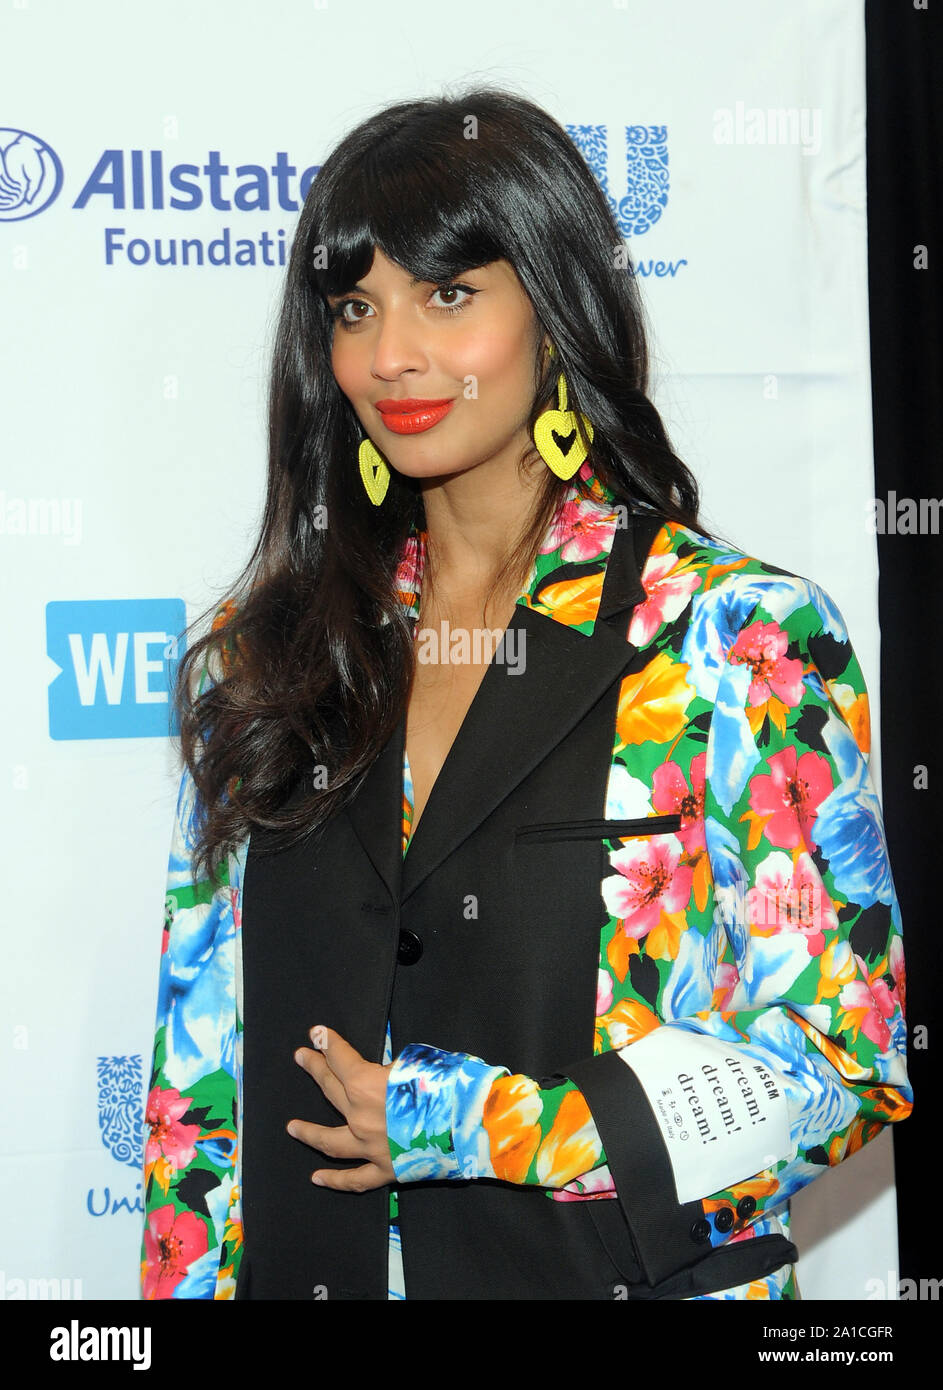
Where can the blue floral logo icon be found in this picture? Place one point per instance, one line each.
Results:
(30, 174)
(121, 1107)
(646, 158)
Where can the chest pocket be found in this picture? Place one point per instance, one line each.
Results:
(599, 829)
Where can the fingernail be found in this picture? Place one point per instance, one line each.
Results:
(319, 1038)
(299, 1057)
(317, 1180)
(292, 1131)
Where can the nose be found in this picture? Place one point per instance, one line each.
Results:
(398, 343)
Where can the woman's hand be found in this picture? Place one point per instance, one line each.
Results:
(357, 1089)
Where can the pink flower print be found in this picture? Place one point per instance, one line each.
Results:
(649, 881)
(409, 571)
(726, 980)
(172, 1240)
(791, 897)
(581, 531)
(667, 594)
(596, 1185)
(895, 964)
(603, 993)
(671, 793)
(748, 1233)
(868, 1002)
(762, 646)
(790, 795)
(168, 1138)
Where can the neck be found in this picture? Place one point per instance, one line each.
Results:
(473, 520)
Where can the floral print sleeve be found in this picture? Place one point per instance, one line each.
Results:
(450, 1115)
(192, 1233)
(765, 929)
(192, 1241)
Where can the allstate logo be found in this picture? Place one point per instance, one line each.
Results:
(121, 1107)
(646, 172)
(30, 174)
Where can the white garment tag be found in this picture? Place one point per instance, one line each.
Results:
(722, 1114)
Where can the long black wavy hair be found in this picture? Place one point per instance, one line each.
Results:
(309, 662)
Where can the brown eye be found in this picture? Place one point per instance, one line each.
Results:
(455, 307)
(338, 312)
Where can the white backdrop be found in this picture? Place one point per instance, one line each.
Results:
(133, 399)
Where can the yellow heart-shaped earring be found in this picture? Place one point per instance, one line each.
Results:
(374, 470)
(557, 438)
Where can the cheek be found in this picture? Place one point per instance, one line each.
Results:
(502, 364)
(345, 367)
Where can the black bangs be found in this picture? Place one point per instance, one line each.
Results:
(421, 207)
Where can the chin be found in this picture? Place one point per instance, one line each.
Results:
(429, 472)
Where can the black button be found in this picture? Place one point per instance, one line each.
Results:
(410, 947)
(746, 1207)
(701, 1231)
(723, 1220)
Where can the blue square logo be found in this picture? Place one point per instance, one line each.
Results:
(117, 661)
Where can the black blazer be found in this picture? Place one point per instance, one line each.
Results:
(344, 931)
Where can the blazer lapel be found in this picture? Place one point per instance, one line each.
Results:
(376, 811)
(568, 636)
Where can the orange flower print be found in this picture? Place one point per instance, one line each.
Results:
(571, 1146)
(855, 710)
(838, 967)
(628, 1021)
(652, 703)
(511, 1118)
(572, 601)
(224, 614)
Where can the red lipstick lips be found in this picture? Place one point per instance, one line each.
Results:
(411, 415)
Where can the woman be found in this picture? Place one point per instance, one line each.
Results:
(592, 933)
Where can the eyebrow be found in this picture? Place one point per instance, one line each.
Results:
(413, 282)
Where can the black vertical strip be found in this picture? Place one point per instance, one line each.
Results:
(905, 178)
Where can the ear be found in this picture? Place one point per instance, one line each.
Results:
(544, 359)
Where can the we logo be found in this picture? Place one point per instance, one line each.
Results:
(117, 661)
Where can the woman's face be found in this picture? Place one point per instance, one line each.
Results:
(472, 344)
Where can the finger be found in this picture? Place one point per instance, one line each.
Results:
(338, 1053)
(362, 1179)
(317, 1068)
(334, 1140)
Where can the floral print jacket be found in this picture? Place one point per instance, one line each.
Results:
(750, 968)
